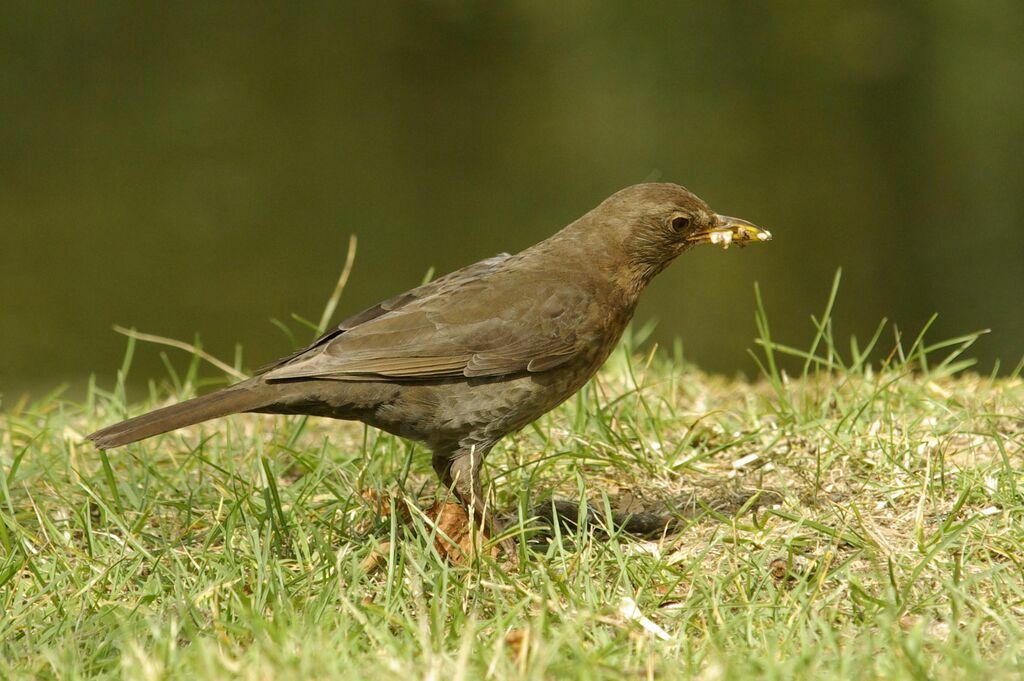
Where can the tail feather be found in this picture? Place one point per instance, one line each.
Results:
(228, 401)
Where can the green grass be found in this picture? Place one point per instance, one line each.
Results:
(887, 540)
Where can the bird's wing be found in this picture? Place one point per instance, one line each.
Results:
(440, 286)
(503, 322)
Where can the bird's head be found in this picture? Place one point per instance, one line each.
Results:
(648, 225)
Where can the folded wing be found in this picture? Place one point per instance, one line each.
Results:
(485, 320)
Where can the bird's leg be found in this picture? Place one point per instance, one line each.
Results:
(460, 472)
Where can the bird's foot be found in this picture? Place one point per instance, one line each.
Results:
(509, 543)
(459, 541)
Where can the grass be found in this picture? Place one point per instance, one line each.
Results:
(860, 517)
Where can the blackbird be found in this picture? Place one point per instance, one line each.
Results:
(470, 357)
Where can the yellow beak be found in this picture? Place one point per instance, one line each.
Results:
(730, 231)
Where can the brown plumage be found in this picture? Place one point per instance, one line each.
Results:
(462, 361)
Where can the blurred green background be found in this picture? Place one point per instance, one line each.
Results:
(197, 168)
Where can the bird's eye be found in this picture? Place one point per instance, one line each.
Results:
(681, 223)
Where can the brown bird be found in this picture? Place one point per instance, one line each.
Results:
(464, 360)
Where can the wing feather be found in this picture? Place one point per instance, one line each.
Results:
(465, 326)
(436, 287)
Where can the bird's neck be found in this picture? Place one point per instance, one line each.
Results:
(606, 266)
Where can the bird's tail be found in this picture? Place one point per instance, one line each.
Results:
(221, 403)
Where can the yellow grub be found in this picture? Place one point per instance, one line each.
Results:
(721, 236)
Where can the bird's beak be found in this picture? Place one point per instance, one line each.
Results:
(729, 231)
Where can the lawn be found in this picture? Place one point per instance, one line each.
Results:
(858, 515)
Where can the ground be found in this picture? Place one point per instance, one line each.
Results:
(860, 517)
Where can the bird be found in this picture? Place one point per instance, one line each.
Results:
(464, 360)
